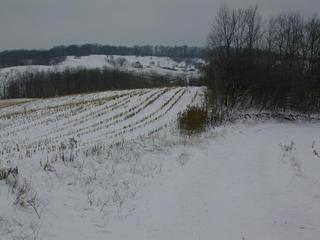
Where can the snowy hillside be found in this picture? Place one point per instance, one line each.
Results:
(159, 65)
(241, 182)
(113, 165)
(82, 151)
(148, 64)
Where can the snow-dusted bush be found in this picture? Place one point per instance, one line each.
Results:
(27, 197)
(6, 172)
(194, 120)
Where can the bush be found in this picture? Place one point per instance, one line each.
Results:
(194, 120)
(6, 172)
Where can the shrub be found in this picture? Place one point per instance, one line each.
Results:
(5, 172)
(194, 120)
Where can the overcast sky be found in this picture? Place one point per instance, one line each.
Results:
(46, 23)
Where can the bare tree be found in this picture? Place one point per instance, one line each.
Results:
(275, 66)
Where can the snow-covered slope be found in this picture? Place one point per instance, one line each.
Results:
(82, 154)
(112, 165)
(148, 64)
(245, 182)
(93, 118)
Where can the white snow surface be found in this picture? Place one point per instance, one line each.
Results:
(160, 65)
(240, 183)
(134, 176)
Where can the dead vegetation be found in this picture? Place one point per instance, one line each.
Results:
(193, 120)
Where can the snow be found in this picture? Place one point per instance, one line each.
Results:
(149, 64)
(113, 130)
(235, 189)
(135, 176)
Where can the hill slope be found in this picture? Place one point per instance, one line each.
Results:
(247, 182)
(113, 165)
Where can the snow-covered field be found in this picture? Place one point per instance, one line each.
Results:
(135, 64)
(113, 165)
(82, 154)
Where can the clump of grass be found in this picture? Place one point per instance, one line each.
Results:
(5, 172)
(193, 120)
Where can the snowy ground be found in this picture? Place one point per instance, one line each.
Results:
(133, 176)
(83, 154)
(259, 182)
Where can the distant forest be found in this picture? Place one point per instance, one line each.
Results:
(44, 84)
(59, 53)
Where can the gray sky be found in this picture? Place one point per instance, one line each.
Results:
(46, 23)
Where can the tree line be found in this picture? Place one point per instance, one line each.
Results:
(269, 64)
(59, 53)
(42, 84)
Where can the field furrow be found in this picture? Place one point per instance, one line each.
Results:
(46, 126)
